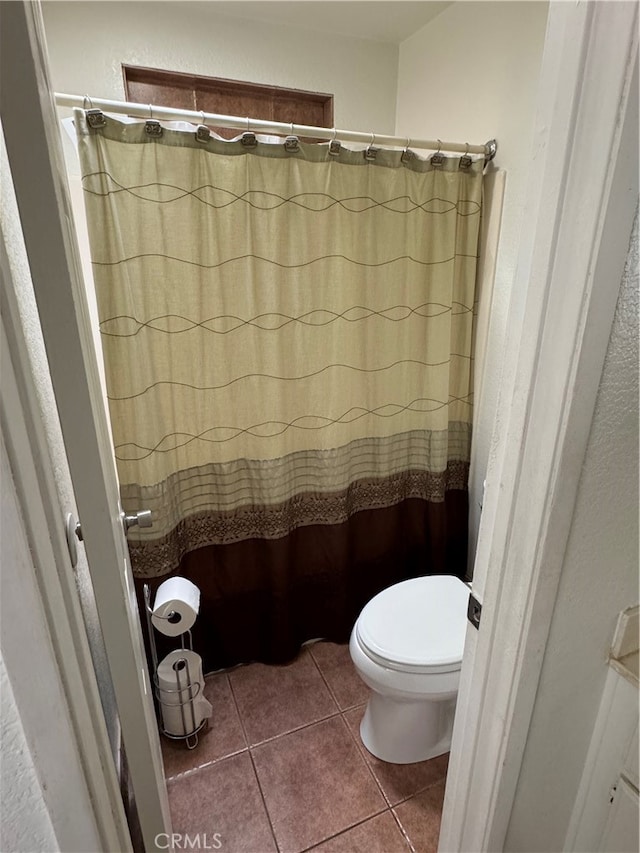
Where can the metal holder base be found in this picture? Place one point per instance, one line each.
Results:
(162, 694)
(193, 688)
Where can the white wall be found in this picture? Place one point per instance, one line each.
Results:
(599, 579)
(88, 41)
(470, 75)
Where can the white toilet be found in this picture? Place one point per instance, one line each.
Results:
(407, 647)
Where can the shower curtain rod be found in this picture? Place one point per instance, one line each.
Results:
(150, 111)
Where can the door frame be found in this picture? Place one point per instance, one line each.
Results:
(34, 147)
(578, 218)
(570, 265)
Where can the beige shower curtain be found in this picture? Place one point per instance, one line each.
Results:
(287, 334)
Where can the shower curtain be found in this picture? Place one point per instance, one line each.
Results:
(287, 336)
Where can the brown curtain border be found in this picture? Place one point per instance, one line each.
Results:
(160, 557)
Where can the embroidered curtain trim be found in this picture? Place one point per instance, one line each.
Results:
(153, 558)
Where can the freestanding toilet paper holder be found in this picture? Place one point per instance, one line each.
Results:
(165, 696)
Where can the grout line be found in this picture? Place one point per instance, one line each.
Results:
(280, 734)
(361, 749)
(253, 765)
(406, 799)
(329, 688)
(404, 832)
(353, 707)
(384, 808)
(264, 803)
(192, 770)
(364, 753)
(327, 685)
(346, 829)
(289, 731)
(237, 707)
(420, 791)
(294, 730)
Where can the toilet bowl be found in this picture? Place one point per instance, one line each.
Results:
(407, 646)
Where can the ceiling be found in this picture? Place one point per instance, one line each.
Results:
(381, 20)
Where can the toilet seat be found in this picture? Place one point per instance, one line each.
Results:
(418, 625)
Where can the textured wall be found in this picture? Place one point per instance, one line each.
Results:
(88, 41)
(599, 579)
(469, 75)
(25, 822)
(41, 766)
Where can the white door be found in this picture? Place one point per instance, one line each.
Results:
(31, 131)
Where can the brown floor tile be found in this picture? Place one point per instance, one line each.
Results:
(223, 798)
(334, 662)
(315, 784)
(273, 700)
(223, 736)
(399, 781)
(420, 817)
(379, 834)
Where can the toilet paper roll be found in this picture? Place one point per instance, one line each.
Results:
(174, 674)
(176, 606)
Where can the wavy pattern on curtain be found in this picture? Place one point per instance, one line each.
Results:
(287, 335)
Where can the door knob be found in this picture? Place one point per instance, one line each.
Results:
(142, 518)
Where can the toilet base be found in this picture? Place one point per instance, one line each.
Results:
(405, 731)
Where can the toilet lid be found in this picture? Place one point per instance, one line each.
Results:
(419, 622)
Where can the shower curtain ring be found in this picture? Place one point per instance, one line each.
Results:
(95, 118)
(465, 160)
(291, 142)
(152, 127)
(203, 134)
(438, 159)
(334, 145)
(371, 152)
(249, 139)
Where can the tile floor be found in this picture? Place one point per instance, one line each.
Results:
(281, 767)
